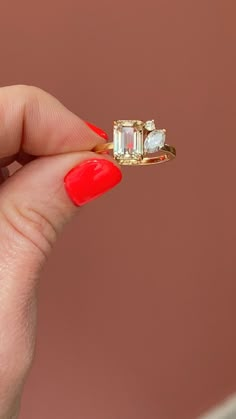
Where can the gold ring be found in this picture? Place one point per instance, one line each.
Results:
(138, 143)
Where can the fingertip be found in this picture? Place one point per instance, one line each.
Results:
(90, 179)
(98, 130)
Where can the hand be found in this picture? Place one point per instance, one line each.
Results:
(59, 174)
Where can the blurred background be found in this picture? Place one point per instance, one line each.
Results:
(137, 305)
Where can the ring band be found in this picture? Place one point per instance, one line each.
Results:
(138, 143)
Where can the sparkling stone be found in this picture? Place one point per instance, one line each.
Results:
(128, 140)
(154, 140)
(150, 125)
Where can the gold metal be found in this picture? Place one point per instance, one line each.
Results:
(165, 154)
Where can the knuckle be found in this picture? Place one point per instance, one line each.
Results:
(30, 96)
(27, 89)
(32, 226)
(31, 93)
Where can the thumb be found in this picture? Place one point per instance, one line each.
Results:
(40, 198)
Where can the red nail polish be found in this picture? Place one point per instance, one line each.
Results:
(91, 179)
(98, 131)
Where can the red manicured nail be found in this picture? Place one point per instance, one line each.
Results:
(98, 131)
(91, 179)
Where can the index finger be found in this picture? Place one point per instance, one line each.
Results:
(36, 123)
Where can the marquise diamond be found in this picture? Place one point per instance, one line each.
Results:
(154, 141)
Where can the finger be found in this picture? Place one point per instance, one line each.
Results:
(37, 123)
(50, 189)
(35, 203)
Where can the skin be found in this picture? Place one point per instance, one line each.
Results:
(48, 140)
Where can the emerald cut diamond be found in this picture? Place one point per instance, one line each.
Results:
(128, 141)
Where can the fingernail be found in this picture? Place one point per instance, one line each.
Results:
(91, 179)
(98, 131)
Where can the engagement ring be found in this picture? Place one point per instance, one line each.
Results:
(138, 143)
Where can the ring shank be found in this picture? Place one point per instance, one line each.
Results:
(165, 154)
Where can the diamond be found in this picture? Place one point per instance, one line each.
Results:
(150, 125)
(128, 140)
(154, 140)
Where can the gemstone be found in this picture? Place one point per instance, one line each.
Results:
(154, 140)
(128, 141)
(150, 125)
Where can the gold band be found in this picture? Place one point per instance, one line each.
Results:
(165, 154)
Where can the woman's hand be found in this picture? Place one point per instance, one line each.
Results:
(59, 174)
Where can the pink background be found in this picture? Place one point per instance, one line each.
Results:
(137, 304)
